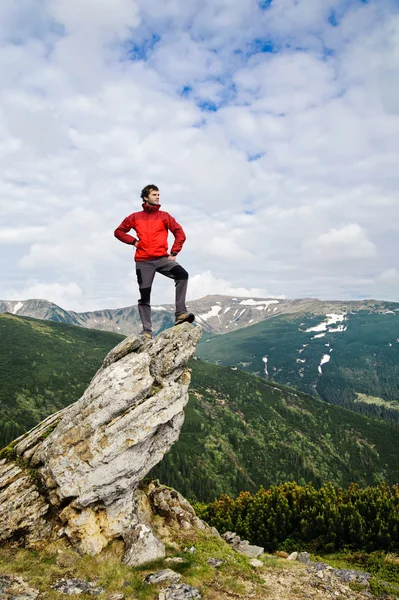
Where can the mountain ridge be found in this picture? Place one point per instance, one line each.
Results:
(240, 431)
(216, 313)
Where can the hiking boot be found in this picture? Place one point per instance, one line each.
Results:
(184, 318)
(147, 335)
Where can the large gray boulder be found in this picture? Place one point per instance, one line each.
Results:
(76, 474)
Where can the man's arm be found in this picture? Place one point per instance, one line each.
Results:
(121, 232)
(177, 231)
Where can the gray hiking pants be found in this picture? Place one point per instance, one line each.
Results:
(145, 271)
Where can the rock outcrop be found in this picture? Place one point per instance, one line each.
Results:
(76, 475)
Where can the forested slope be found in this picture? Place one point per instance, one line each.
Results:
(44, 366)
(240, 431)
(351, 360)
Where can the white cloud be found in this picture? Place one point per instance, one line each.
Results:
(294, 172)
(390, 276)
(21, 235)
(205, 283)
(65, 295)
(349, 243)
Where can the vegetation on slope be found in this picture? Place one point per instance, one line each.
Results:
(234, 578)
(325, 519)
(44, 366)
(361, 375)
(242, 432)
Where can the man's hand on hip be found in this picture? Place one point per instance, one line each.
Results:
(172, 257)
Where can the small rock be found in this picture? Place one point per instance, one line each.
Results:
(76, 586)
(292, 556)
(282, 554)
(231, 538)
(181, 591)
(249, 550)
(304, 557)
(16, 588)
(320, 575)
(174, 559)
(215, 562)
(117, 596)
(161, 576)
(254, 562)
(348, 575)
(320, 566)
(142, 546)
(192, 549)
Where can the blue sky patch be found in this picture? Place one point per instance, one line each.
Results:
(141, 51)
(185, 91)
(327, 52)
(253, 157)
(260, 46)
(265, 4)
(333, 18)
(207, 105)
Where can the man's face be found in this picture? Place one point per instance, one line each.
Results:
(153, 197)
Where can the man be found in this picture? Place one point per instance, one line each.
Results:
(151, 226)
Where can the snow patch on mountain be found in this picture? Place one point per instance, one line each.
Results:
(332, 319)
(261, 303)
(324, 360)
(17, 307)
(214, 312)
(264, 358)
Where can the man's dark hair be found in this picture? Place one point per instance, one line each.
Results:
(145, 192)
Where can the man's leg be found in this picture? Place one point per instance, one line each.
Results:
(145, 271)
(170, 268)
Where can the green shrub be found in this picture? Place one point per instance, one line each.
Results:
(291, 516)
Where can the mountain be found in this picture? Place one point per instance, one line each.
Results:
(123, 320)
(240, 431)
(346, 357)
(216, 314)
(44, 367)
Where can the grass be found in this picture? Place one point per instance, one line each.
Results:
(42, 568)
(8, 452)
(384, 569)
(234, 577)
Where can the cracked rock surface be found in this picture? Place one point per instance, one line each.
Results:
(77, 473)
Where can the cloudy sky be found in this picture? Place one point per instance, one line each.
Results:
(271, 128)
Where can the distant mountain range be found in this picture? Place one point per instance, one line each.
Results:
(346, 353)
(216, 314)
(347, 356)
(240, 431)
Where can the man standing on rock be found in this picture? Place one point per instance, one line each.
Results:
(151, 226)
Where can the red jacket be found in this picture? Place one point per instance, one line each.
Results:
(151, 226)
